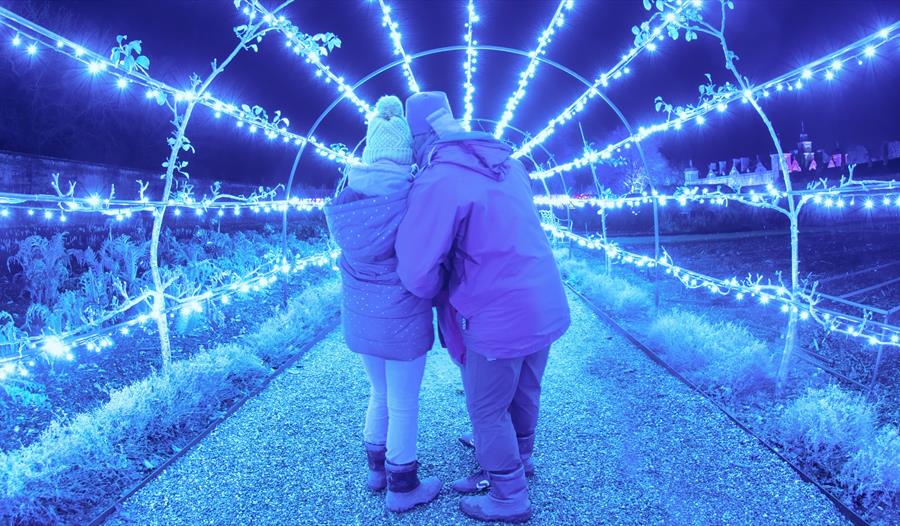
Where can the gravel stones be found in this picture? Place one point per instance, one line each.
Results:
(620, 441)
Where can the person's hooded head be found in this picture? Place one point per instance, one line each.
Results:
(430, 117)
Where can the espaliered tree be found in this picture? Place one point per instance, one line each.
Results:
(692, 23)
(182, 105)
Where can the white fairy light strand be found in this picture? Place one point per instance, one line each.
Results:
(397, 42)
(121, 209)
(284, 26)
(796, 79)
(804, 304)
(469, 66)
(96, 64)
(620, 68)
(96, 339)
(559, 17)
(873, 195)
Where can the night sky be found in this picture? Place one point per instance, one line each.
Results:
(50, 105)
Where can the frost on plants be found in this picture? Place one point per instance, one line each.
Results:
(722, 356)
(827, 424)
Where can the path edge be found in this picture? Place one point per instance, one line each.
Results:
(317, 337)
(845, 510)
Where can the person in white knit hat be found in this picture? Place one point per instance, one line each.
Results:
(382, 321)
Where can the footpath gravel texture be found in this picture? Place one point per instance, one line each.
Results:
(619, 442)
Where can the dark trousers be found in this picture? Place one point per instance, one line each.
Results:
(503, 397)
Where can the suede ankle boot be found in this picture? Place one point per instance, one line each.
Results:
(377, 478)
(474, 483)
(507, 501)
(404, 489)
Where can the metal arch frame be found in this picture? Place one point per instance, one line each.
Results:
(435, 51)
(551, 159)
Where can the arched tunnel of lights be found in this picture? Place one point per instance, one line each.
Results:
(126, 68)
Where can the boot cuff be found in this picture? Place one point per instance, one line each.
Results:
(402, 478)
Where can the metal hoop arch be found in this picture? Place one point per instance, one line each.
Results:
(550, 158)
(435, 51)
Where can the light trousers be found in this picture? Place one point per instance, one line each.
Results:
(392, 417)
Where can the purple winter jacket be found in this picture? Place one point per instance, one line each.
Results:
(471, 221)
(380, 317)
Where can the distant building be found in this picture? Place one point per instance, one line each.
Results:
(802, 161)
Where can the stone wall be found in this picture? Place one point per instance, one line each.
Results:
(32, 174)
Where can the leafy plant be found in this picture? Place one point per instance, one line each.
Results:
(305, 313)
(20, 392)
(96, 286)
(614, 294)
(126, 260)
(127, 55)
(722, 356)
(11, 337)
(827, 425)
(81, 463)
(873, 471)
(45, 266)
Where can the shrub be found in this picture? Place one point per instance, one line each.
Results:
(305, 314)
(722, 355)
(827, 425)
(873, 471)
(614, 294)
(56, 479)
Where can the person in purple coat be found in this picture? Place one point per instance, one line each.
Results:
(391, 328)
(471, 226)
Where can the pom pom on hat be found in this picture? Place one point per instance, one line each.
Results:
(389, 106)
(388, 136)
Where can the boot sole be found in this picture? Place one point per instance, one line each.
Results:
(403, 509)
(515, 519)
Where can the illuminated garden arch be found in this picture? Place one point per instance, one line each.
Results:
(128, 66)
(155, 305)
(672, 18)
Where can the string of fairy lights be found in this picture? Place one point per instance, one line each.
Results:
(97, 336)
(51, 207)
(825, 69)
(31, 37)
(397, 41)
(556, 22)
(617, 71)
(870, 195)
(93, 338)
(469, 66)
(766, 294)
(252, 8)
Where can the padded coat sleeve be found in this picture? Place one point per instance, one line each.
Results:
(426, 234)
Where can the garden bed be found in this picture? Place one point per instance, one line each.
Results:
(80, 464)
(730, 350)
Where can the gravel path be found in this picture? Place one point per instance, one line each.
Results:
(620, 442)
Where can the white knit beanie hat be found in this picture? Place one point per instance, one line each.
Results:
(388, 136)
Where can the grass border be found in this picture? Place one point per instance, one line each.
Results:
(116, 506)
(845, 510)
